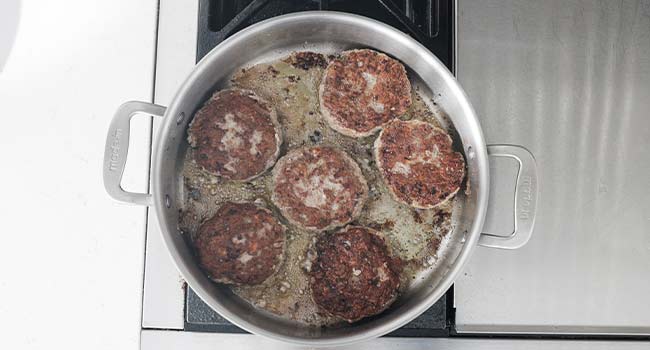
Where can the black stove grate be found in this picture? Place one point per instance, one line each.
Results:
(199, 317)
(428, 21)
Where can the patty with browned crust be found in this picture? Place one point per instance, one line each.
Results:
(318, 188)
(235, 135)
(362, 90)
(354, 275)
(241, 244)
(418, 164)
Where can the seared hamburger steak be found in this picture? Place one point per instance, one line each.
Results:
(361, 90)
(318, 188)
(418, 164)
(354, 276)
(241, 244)
(235, 135)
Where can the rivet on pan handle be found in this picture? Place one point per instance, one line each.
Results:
(525, 198)
(117, 148)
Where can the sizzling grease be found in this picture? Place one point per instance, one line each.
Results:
(412, 234)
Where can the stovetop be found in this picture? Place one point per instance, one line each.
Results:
(430, 22)
(549, 76)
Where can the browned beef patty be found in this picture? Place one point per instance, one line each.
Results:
(235, 135)
(418, 163)
(354, 276)
(318, 188)
(362, 90)
(241, 244)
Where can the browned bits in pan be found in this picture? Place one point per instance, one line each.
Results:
(306, 60)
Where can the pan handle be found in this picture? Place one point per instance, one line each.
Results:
(117, 148)
(525, 198)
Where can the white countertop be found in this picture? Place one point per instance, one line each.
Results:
(71, 259)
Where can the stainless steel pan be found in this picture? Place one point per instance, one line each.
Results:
(325, 32)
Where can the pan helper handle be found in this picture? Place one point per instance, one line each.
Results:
(525, 198)
(117, 148)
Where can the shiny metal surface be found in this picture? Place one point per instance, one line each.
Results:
(273, 39)
(163, 340)
(117, 148)
(325, 32)
(525, 199)
(570, 81)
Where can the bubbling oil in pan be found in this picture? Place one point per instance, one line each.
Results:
(291, 85)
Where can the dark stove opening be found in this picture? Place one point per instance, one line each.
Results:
(220, 12)
(428, 21)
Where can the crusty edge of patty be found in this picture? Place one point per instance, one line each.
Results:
(292, 155)
(226, 280)
(380, 166)
(335, 124)
(276, 126)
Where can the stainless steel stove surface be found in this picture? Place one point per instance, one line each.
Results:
(535, 72)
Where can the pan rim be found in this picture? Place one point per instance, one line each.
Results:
(471, 237)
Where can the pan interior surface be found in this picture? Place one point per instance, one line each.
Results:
(322, 32)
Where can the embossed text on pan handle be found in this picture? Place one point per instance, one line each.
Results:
(117, 148)
(526, 193)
